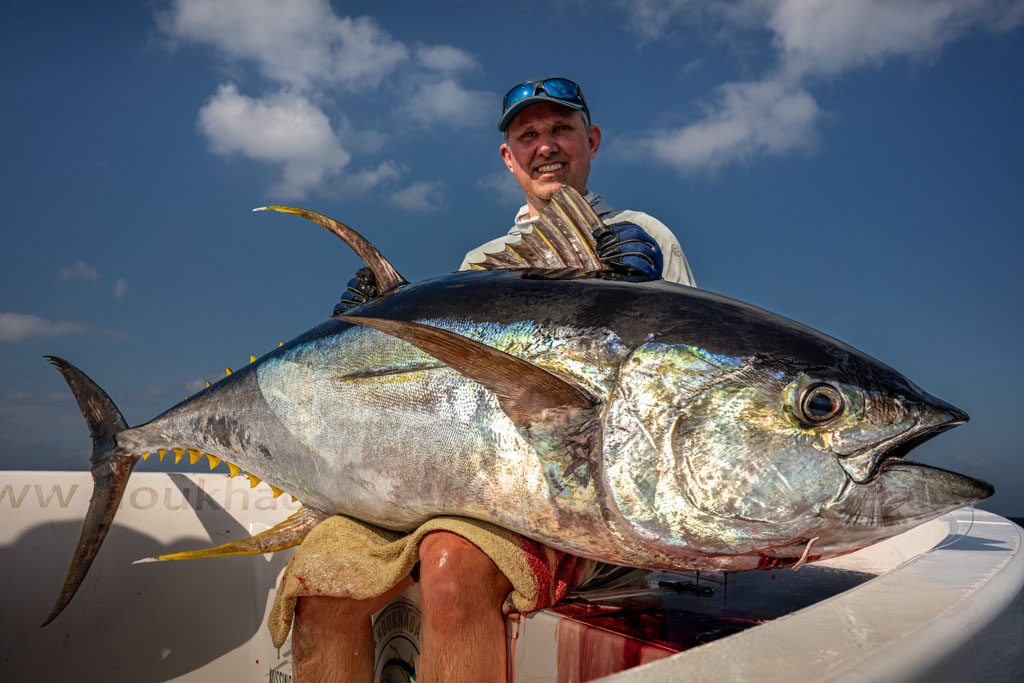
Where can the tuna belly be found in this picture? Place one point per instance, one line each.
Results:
(396, 449)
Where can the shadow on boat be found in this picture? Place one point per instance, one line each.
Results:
(151, 621)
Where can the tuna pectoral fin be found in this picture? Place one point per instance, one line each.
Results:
(385, 274)
(288, 533)
(523, 389)
(110, 472)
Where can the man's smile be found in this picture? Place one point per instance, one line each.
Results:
(550, 168)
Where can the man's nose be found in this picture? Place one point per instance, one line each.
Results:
(547, 145)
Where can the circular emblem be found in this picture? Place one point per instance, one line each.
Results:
(396, 637)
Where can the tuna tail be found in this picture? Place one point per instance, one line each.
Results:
(110, 472)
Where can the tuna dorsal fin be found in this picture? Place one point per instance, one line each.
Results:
(288, 533)
(522, 388)
(561, 238)
(386, 275)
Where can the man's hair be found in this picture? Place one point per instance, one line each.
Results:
(586, 122)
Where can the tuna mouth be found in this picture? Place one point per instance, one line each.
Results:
(885, 490)
(864, 466)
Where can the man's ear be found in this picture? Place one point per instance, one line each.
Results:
(594, 139)
(506, 155)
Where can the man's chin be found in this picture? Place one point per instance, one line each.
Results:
(547, 189)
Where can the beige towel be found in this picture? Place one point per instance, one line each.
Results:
(346, 558)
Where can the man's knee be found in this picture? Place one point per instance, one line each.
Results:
(458, 576)
(317, 610)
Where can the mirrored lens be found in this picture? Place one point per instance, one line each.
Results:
(561, 88)
(519, 92)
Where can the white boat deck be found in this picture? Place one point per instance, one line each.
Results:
(945, 605)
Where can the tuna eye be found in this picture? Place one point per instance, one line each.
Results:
(820, 403)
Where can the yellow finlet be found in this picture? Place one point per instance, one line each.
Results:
(177, 455)
(145, 456)
(280, 344)
(207, 384)
(162, 452)
(227, 371)
(253, 479)
(277, 491)
(214, 460)
(193, 456)
(233, 468)
(252, 358)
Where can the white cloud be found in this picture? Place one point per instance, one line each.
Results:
(120, 288)
(747, 119)
(368, 180)
(301, 43)
(314, 59)
(504, 186)
(420, 196)
(447, 103)
(813, 39)
(16, 327)
(445, 58)
(649, 19)
(80, 270)
(283, 128)
(829, 36)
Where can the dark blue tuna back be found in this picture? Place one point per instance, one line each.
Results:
(658, 311)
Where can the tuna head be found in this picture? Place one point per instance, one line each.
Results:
(736, 462)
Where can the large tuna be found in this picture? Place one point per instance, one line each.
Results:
(646, 424)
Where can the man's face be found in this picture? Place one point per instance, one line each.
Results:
(549, 146)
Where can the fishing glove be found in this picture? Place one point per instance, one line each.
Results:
(359, 290)
(630, 251)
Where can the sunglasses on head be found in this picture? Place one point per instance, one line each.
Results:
(558, 88)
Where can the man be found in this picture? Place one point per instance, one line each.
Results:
(549, 142)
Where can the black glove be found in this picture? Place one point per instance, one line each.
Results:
(359, 290)
(630, 251)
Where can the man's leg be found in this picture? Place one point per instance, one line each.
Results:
(332, 638)
(461, 595)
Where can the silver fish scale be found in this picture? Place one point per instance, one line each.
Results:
(363, 406)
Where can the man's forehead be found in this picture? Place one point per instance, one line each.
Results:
(543, 113)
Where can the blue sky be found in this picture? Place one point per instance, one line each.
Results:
(856, 165)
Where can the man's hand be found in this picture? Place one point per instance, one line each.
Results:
(359, 290)
(629, 250)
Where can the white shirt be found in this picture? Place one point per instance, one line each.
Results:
(675, 267)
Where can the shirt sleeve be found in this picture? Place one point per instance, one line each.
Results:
(479, 255)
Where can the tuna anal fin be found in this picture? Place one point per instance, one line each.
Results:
(523, 389)
(387, 277)
(561, 238)
(288, 533)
